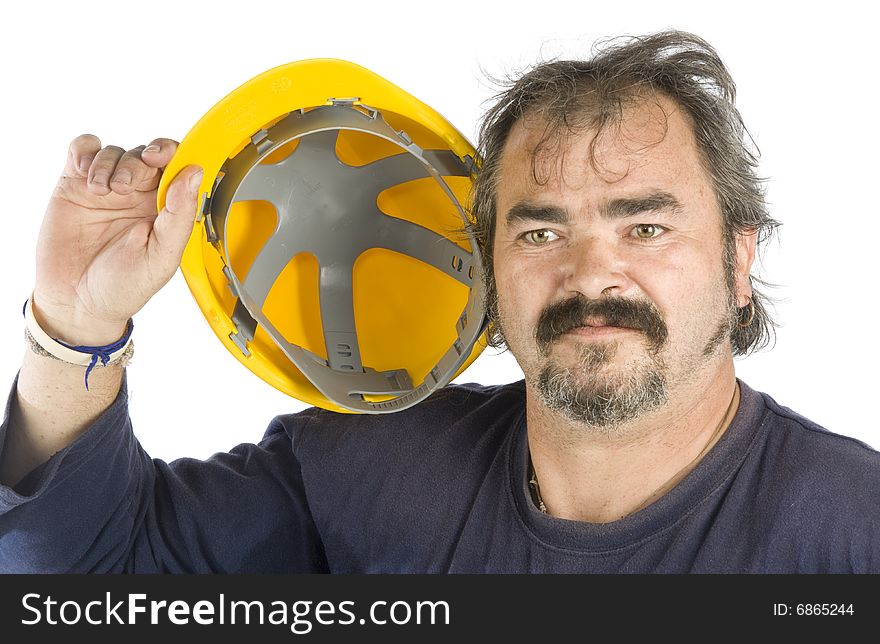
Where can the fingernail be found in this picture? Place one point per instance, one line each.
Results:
(196, 180)
(151, 148)
(84, 163)
(123, 176)
(100, 178)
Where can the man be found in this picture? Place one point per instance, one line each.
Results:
(619, 214)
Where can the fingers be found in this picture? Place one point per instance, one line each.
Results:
(80, 154)
(102, 169)
(173, 226)
(159, 152)
(141, 168)
(112, 169)
(157, 155)
(132, 173)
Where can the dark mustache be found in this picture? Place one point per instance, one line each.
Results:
(561, 317)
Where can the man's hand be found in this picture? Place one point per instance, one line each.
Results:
(103, 250)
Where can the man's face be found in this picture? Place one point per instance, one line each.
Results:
(610, 274)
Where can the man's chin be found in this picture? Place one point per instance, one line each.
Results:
(602, 396)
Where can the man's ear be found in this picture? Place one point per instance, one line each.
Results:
(746, 242)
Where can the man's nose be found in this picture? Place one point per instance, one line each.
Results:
(595, 267)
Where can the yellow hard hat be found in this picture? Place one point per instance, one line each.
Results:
(330, 254)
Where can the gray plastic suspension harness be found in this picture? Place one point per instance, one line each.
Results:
(328, 208)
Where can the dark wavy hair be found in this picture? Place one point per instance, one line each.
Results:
(569, 95)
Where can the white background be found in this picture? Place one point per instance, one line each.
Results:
(132, 72)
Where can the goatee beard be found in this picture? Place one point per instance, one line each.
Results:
(603, 401)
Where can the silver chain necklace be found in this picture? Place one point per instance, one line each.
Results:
(533, 481)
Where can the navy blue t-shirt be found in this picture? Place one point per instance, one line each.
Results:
(440, 487)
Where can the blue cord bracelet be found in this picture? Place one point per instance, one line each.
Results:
(102, 353)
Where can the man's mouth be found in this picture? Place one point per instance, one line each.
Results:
(596, 320)
(599, 322)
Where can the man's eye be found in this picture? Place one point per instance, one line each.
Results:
(648, 231)
(540, 237)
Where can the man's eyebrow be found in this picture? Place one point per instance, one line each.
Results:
(525, 211)
(629, 207)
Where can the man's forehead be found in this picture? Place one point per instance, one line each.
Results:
(651, 130)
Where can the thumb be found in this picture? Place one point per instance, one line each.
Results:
(173, 226)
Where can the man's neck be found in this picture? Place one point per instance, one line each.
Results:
(587, 474)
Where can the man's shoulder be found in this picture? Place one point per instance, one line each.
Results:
(806, 434)
(455, 407)
(815, 459)
(814, 492)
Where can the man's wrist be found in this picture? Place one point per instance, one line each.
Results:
(77, 330)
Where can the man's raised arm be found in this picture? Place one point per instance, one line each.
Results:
(103, 251)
